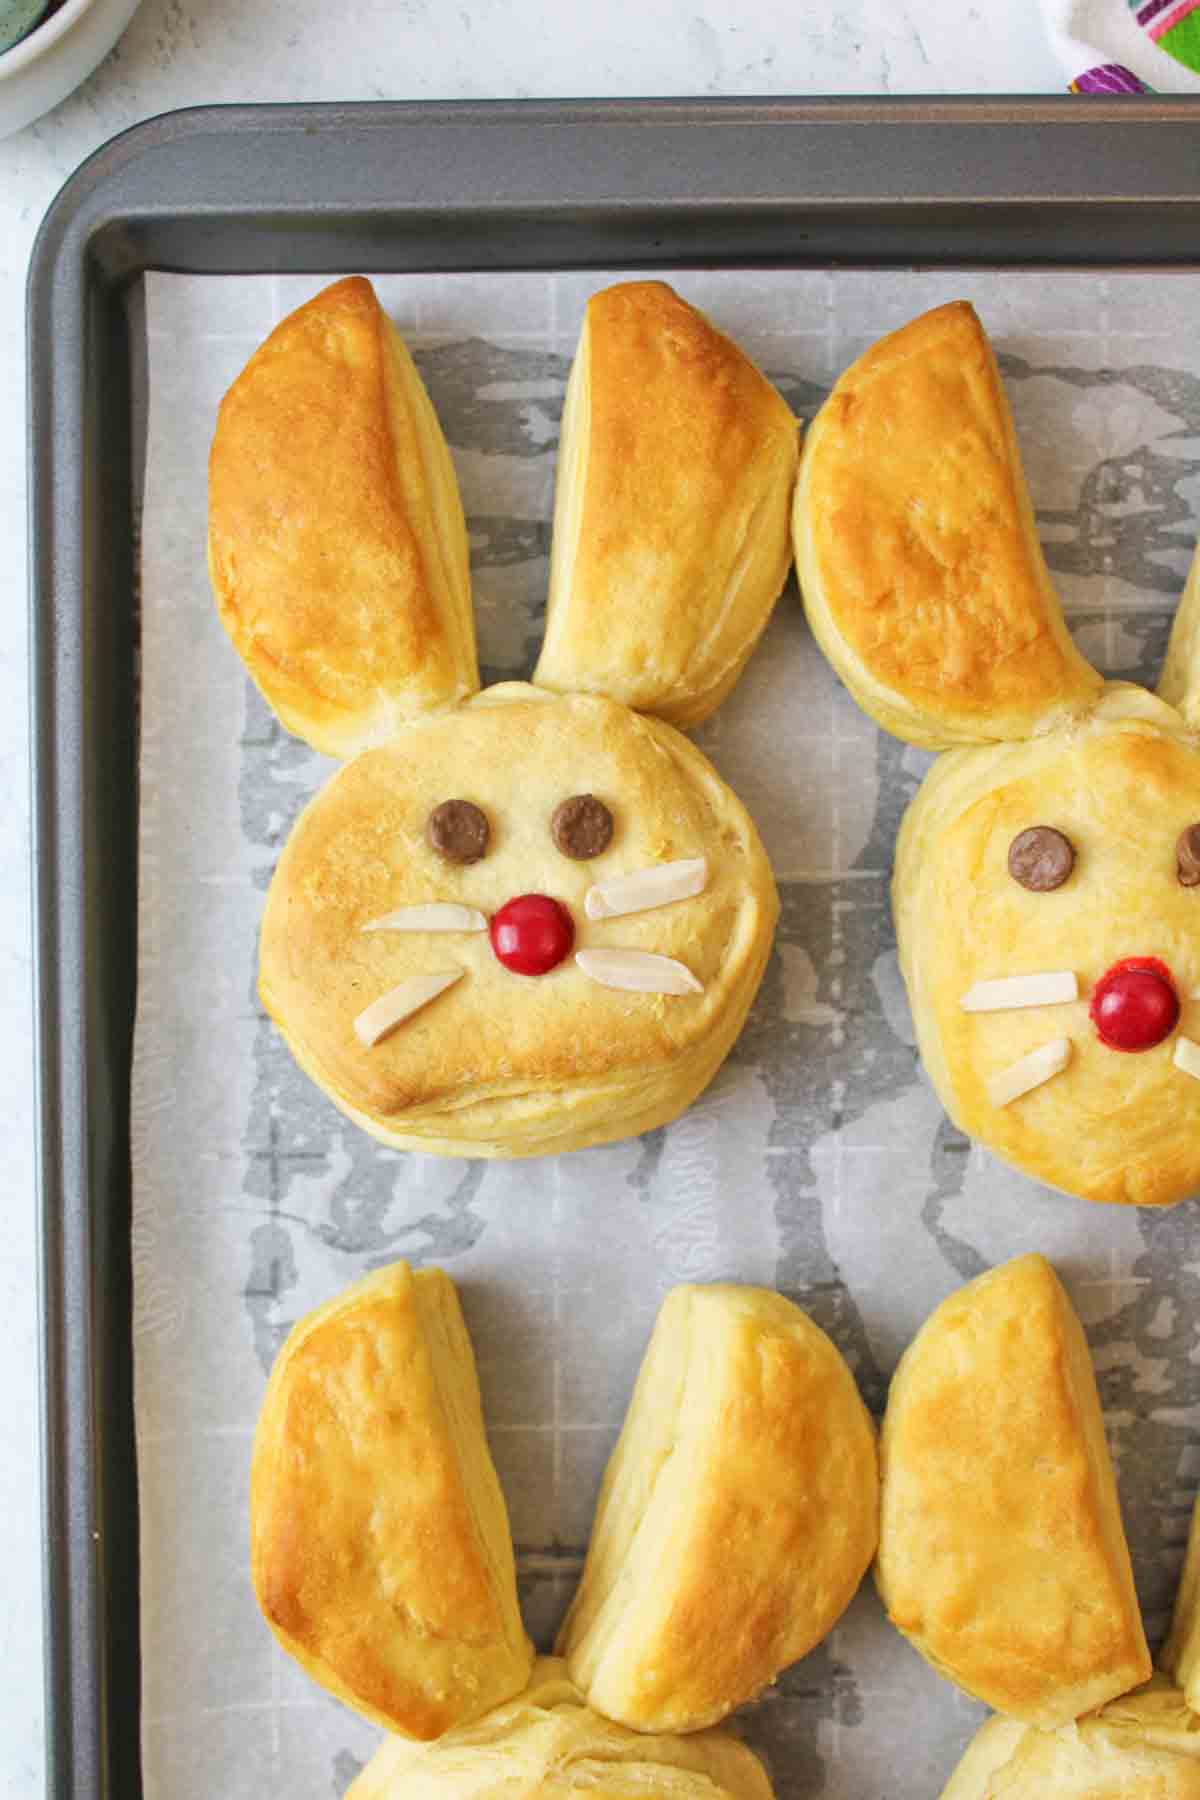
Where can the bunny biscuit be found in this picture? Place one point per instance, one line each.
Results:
(1046, 888)
(526, 920)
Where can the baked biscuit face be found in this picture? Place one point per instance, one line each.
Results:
(738, 1513)
(916, 551)
(1144, 1746)
(549, 1745)
(1101, 1118)
(339, 558)
(502, 1063)
(337, 547)
(1001, 1552)
(380, 1548)
(675, 478)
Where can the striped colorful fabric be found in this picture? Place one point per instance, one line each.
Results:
(1174, 25)
(1150, 15)
(1179, 34)
(1108, 78)
(1139, 47)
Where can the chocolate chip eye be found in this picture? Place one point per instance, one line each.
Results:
(1040, 859)
(458, 831)
(581, 827)
(1187, 856)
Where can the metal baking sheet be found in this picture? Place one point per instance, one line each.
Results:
(399, 189)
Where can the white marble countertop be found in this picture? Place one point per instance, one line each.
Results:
(187, 52)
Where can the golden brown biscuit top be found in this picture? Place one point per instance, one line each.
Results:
(1001, 1548)
(360, 851)
(738, 1514)
(366, 1556)
(327, 571)
(677, 479)
(783, 1523)
(1114, 1125)
(921, 540)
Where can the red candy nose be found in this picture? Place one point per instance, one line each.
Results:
(532, 934)
(1135, 1006)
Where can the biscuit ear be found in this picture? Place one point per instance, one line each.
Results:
(916, 547)
(337, 546)
(675, 475)
(1180, 684)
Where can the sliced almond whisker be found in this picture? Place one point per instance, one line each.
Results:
(1029, 1072)
(641, 971)
(1187, 1056)
(399, 1003)
(431, 915)
(658, 885)
(1053, 988)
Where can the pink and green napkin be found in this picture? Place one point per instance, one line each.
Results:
(1127, 46)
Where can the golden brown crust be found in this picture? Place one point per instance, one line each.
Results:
(916, 548)
(337, 548)
(1001, 1552)
(1144, 1746)
(503, 1064)
(1112, 1126)
(1180, 1655)
(675, 480)
(738, 1514)
(548, 1745)
(379, 1541)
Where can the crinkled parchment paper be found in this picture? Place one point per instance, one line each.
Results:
(818, 1162)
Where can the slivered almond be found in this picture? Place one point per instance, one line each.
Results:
(1030, 1072)
(434, 915)
(399, 1003)
(1187, 1056)
(658, 885)
(638, 970)
(1022, 990)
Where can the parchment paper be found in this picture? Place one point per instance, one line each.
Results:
(818, 1162)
